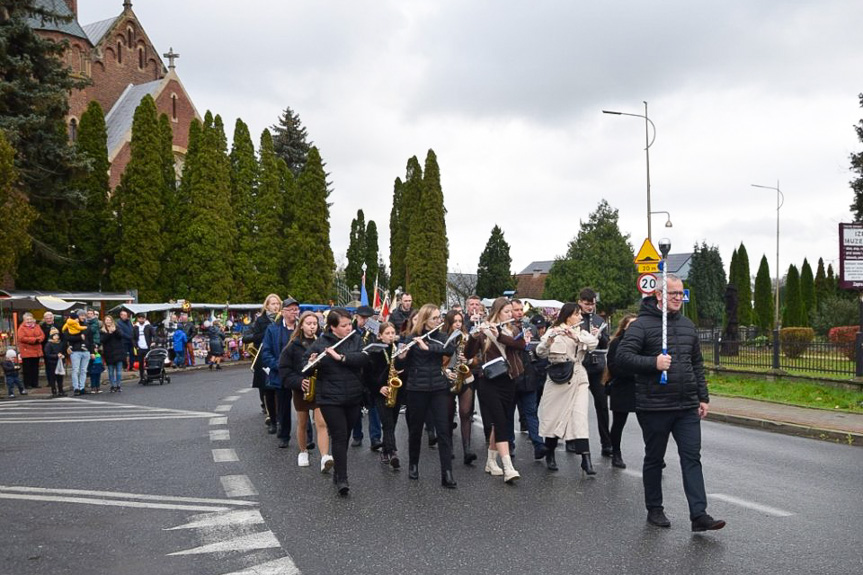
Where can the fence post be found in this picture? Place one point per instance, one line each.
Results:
(717, 342)
(775, 349)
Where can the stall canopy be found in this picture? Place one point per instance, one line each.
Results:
(532, 303)
(57, 301)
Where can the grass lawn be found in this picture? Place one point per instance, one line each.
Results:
(786, 391)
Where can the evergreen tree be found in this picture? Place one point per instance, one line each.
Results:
(599, 257)
(137, 202)
(732, 268)
(707, 277)
(398, 240)
(494, 275)
(744, 286)
(169, 166)
(857, 168)
(290, 196)
(410, 215)
(356, 254)
(17, 213)
(832, 281)
(764, 309)
(244, 173)
(311, 257)
(690, 309)
(210, 225)
(270, 220)
(807, 289)
(794, 313)
(372, 258)
(290, 141)
(91, 235)
(821, 292)
(428, 248)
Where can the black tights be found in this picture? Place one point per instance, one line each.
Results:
(582, 446)
(617, 429)
(389, 419)
(340, 419)
(465, 409)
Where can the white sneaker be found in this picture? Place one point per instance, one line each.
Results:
(327, 463)
(303, 459)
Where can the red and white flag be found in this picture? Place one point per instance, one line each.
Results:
(377, 299)
(385, 308)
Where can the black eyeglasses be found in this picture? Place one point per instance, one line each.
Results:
(678, 294)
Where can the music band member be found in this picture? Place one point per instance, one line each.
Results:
(275, 340)
(362, 315)
(453, 322)
(620, 385)
(269, 312)
(378, 373)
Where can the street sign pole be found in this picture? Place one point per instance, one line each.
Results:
(664, 247)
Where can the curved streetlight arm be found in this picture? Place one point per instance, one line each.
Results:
(652, 125)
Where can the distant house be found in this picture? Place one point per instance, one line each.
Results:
(530, 282)
(679, 264)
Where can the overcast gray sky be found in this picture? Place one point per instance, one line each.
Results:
(509, 95)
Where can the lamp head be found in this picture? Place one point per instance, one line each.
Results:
(664, 247)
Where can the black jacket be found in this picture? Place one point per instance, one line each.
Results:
(424, 369)
(78, 342)
(377, 371)
(53, 350)
(594, 362)
(291, 363)
(113, 347)
(621, 385)
(637, 353)
(535, 368)
(338, 383)
(149, 333)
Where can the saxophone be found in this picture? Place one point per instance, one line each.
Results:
(462, 369)
(393, 383)
(310, 394)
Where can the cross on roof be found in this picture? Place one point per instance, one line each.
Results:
(171, 56)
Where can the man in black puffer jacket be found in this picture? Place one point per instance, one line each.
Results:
(675, 407)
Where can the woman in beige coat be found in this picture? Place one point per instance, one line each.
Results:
(563, 408)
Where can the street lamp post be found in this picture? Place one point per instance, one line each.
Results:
(668, 216)
(648, 141)
(780, 199)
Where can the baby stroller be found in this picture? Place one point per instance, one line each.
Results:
(154, 366)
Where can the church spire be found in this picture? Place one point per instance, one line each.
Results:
(127, 4)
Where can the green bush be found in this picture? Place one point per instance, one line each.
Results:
(835, 311)
(795, 340)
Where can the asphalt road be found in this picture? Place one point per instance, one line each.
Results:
(184, 479)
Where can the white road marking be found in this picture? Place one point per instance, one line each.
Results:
(776, 512)
(98, 419)
(219, 421)
(220, 435)
(283, 566)
(209, 520)
(632, 472)
(231, 398)
(263, 540)
(238, 486)
(223, 408)
(223, 455)
(122, 495)
(246, 390)
(110, 502)
(71, 410)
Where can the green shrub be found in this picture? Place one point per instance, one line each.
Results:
(835, 311)
(795, 340)
(844, 338)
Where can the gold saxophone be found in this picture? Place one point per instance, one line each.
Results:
(310, 394)
(393, 383)
(461, 368)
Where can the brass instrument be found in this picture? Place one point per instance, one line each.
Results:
(255, 352)
(393, 383)
(462, 370)
(309, 395)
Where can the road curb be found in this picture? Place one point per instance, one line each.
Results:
(786, 428)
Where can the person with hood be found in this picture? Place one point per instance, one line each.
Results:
(216, 336)
(670, 398)
(55, 353)
(10, 372)
(142, 336)
(79, 348)
(180, 339)
(30, 340)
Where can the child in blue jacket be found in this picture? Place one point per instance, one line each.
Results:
(180, 340)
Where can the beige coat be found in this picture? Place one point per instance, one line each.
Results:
(563, 408)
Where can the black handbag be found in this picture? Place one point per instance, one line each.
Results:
(561, 372)
(495, 368)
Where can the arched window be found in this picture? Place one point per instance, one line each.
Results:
(119, 52)
(73, 130)
(141, 58)
(174, 107)
(130, 35)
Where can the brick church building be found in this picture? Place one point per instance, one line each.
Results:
(123, 65)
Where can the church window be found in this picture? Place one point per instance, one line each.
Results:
(73, 130)
(141, 58)
(129, 36)
(174, 107)
(119, 52)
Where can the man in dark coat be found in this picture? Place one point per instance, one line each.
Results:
(124, 326)
(674, 407)
(365, 335)
(276, 339)
(400, 315)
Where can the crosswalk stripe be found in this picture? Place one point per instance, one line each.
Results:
(238, 486)
(263, 540)
(282, 566)
(224, 455)
(123, 495)
(220, 435)
(73, 410)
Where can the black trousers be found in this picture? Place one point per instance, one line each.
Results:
(54, 380)
(340, 421)
(269, 397)
(30, 371)
(142, 353)
(389, 420)
(284, 401)
(685, 426)
(618, 422)
(421, 403)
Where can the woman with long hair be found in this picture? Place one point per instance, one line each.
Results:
(564, 403)
(621, 389)
(290, 370)
(428, 391)
(377, 379)
(452, 323)
(339, 387)
(269, 312)
(494, 341)
(113, 353)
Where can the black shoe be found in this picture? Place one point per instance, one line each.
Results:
(607, 451)
(657, 517)
(432, 439)
(310, 445)
(469, 458)
(76, 392)
(63, 393)
(447, 480)
(550, 461)
(82, 392)
(376, 445)
(356, 442)
(617, 460)
(342, 487)
(413, 471)
(707, 523)
(218, 366)
(272, 429)
(394, 461)
(267, 421)
(385, 458)
(587, 465)
(284, 442)
(539, 451)
(570, 447)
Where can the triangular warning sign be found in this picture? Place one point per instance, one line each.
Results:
(647, 254)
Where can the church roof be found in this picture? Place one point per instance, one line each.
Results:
(60, 8)
(97, 30)
(542, 267)
(118, 122)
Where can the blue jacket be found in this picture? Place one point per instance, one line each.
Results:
(125, 329)
(275, 339)
(180, 340)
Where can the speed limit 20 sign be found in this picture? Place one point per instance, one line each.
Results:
(646, 283)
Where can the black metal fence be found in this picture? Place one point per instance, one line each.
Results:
(766, 353)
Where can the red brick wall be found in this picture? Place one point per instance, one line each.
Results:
(184, 108)
(118, 166)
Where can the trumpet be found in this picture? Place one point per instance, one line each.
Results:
(393, 383)
(323, 354)
(309, 395)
